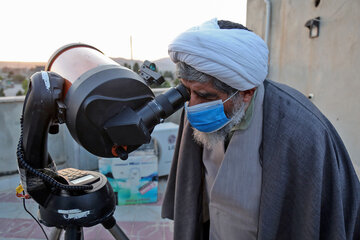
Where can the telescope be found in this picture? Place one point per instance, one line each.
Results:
(108, 109)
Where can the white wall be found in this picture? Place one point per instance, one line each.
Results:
(10, 113)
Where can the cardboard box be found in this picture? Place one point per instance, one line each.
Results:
(134, 180)
(165, 135)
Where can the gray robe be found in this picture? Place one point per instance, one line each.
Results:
(309, 187)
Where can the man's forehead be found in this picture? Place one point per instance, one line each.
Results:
(196, 84)
(205, 88)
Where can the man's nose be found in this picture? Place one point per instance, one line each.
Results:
(194, 100)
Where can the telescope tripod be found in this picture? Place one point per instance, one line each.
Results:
(71, 211)
(76, 232)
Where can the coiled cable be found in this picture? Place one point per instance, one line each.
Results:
(51, 181)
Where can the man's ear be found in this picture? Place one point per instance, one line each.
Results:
(248, 94)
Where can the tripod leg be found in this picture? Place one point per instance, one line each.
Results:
(74, 233)
(118, 233)
(56, 234)
(114, 229)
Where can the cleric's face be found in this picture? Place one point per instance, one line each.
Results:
(206, 92)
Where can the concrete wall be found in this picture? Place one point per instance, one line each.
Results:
(10, 113)
(62, 147)
(327, 66)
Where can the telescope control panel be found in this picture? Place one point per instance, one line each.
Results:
(75, 176)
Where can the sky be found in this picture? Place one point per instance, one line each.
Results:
(32, 30)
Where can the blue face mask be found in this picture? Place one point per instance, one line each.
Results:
(209, 116)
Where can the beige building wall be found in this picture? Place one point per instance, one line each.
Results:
(327, 66)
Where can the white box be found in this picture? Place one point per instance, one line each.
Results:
(165, 135)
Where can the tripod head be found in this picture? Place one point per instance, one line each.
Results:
(108, 109)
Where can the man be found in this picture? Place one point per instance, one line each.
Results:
(254, 159)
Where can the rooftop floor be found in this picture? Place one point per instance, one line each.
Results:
(139, 222)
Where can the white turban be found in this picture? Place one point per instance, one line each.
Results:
(236, 57)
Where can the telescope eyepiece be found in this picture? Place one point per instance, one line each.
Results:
(163, 106)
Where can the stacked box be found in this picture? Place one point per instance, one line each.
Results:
(165, 135)
(134, 180)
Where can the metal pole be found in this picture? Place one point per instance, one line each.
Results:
(131, 48)
(268, 17)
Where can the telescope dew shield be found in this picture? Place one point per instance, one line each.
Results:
(96, 90)
(72, 60)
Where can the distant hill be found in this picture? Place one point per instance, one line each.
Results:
(21, 64)
(122, 61)
(163, 64)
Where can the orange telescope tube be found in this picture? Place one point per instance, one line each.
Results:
(72, 60)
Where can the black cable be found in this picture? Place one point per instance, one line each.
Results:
(44, 177)
(34, 218)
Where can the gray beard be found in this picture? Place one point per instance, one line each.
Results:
(209, 140)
